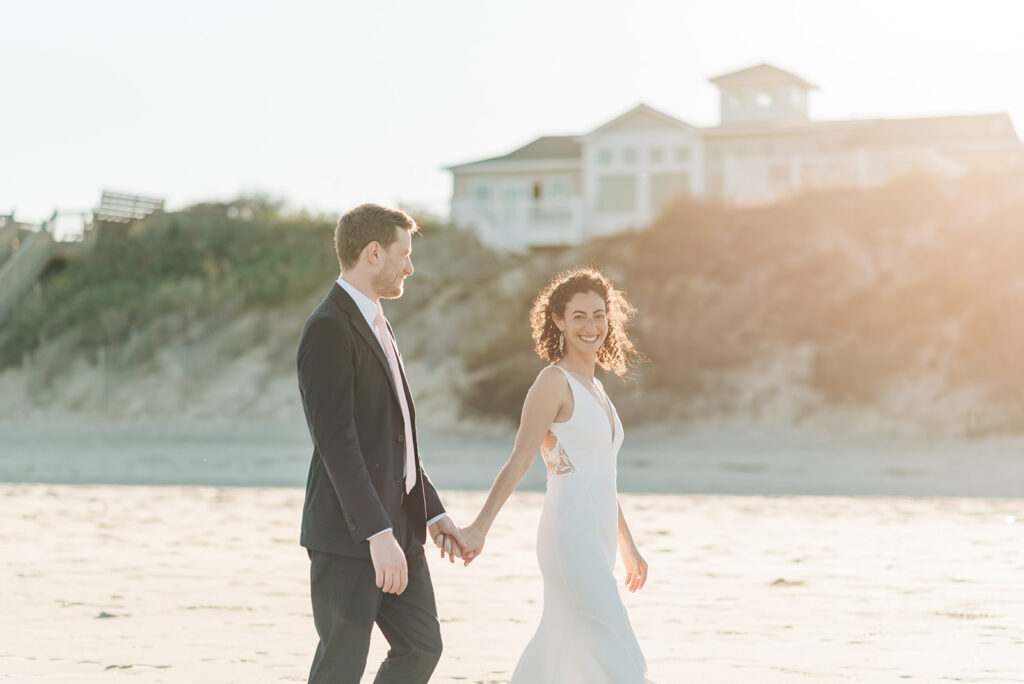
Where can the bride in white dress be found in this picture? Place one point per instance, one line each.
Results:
(584, 636)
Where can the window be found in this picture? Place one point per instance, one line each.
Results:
(604, 157)
(616, 193)
(763, 100)
(657, 155)
(510, 194)
(682, 154)
(482, 192)
(559, 189)
(629, 156)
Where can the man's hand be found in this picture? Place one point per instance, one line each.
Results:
(389, 563)
(447, 535)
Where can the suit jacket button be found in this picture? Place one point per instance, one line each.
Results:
(399, 479)
(401, 438)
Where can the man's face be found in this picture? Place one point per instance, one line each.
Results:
(395, 266)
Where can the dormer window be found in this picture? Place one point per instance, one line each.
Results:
(763, 100)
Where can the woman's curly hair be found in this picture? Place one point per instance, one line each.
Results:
(617, 353)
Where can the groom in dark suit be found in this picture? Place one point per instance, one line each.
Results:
(368, 503)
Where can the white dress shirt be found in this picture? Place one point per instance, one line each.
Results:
(368, 308)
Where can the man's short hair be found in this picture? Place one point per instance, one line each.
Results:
(365, 224)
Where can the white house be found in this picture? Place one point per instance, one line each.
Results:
(562, 190)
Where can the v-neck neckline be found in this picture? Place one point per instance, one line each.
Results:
(609, 413)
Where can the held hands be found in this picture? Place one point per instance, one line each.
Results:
(448, 537)
(472, 543)
(636, 567)
(474, 536)
(389, 564)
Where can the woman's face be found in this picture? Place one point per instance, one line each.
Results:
(585, 324)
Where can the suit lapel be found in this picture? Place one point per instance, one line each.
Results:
(342, 299)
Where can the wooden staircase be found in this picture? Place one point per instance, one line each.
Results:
(26, 250)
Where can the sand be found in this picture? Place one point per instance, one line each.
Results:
(202, 584)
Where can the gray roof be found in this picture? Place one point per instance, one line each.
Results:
(975, 128)
(646, 111)
(549, 147)
(971, 128)
(761, 75)
(571, 146)
(545, 147)
(995, 128)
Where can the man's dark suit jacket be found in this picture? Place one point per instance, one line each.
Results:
(356, 485)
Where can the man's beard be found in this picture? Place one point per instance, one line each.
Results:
(385, 286)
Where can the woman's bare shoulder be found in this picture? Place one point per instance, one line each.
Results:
(551, 388)
(551, 377)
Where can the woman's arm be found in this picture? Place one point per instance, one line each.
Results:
(636, 566)
(549, 393)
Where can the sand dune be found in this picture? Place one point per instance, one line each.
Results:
(199, 584)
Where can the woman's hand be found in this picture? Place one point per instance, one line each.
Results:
(636, 567)
(473, 536)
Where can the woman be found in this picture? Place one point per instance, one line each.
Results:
(584, 635)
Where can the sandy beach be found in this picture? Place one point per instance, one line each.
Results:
(249, 246)
(203, 584)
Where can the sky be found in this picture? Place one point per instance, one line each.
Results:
(330, 104)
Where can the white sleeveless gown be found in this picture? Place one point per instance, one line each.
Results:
(584, 636)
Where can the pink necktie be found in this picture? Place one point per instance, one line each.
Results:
(391, 351)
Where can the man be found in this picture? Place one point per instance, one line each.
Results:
(368, 501)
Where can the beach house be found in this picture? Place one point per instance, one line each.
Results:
(560, 190)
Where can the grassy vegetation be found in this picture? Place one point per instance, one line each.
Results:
(916, 282)
(208, 259)
(878, 289)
